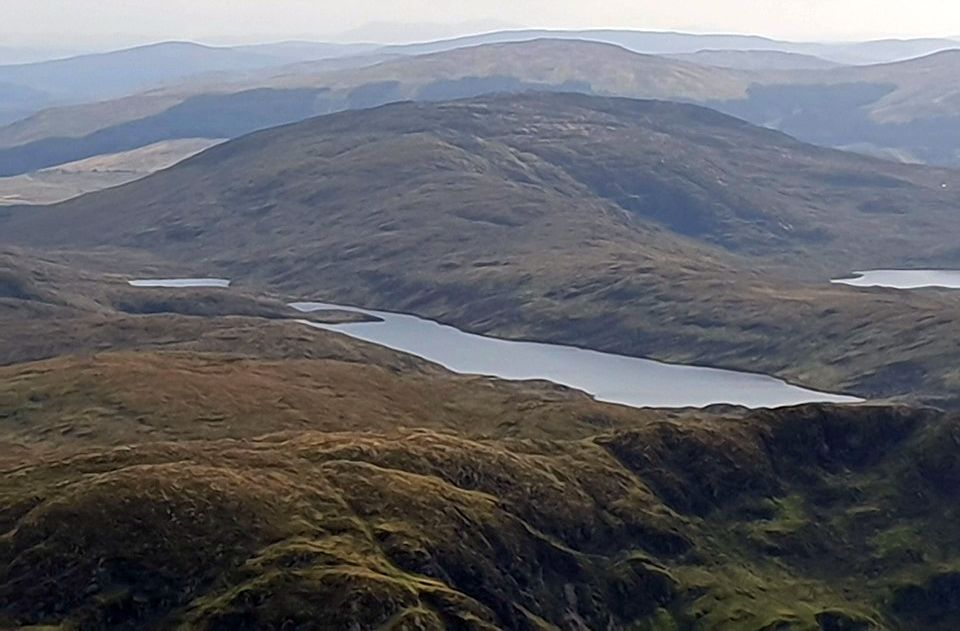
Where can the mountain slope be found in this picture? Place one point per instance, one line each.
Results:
(26, 89)
(771, 520)
(604, 68)
(207, 116)
(755, 60)
(637, 164)
(908, 110)
(923, 87)
(645, 228)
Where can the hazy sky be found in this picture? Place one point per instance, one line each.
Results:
(71, 22)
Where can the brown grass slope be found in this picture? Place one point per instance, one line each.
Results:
(638, 227)
(181, 392)
(217, 471)
(89, 360)
(813, 518)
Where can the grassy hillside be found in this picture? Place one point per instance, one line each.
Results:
(922, 87)
(193, 458)
(205, 116)
(636, 227)
(639, 166)
(81, 120)
(804, 519)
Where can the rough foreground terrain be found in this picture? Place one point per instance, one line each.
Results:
(199, 461)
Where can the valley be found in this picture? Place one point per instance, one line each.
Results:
(522, 217)
(529, 330)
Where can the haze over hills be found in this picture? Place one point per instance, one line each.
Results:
(105, 75)
(902, 110)
(300, 51)
(33, 54)
(17, 101)
(99, 76)
(907, 108)
(478, 213)
(671, 43)
(85, 119)
(387, 33)
(292, 96)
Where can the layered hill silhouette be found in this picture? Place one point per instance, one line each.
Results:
(672, 43)
(697, 173)
(903, 110)
(109, 75)
(647, 228)
(307, 90)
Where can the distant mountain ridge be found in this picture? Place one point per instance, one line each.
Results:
(102, 75)
(905, 110)
(552, 65)
(108, 75)
(670, 43)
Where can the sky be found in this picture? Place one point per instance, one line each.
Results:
(126, 22)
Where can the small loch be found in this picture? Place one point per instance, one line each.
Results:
(181, 282)
(608, 377)
(903, 279)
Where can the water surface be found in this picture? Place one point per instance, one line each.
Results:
(182, 282)
(608, 377)
(904, 278)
